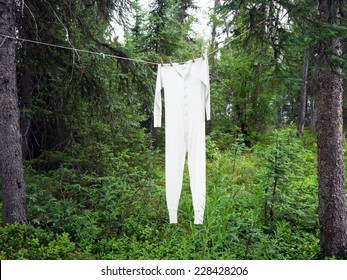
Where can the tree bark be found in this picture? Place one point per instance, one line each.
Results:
(11, 162)
(331, 180)
(303, 95)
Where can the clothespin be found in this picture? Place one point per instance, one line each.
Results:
(170, 61)
(193, 58)
(161, 61)
(202, 55)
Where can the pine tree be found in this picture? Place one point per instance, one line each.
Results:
(11, 161)
(330, 139)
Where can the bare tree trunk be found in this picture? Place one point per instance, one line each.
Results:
(331, 180)
(25, 97)
(214, 27)
(313, 115)
(182, 9)
(214, 44)
(303, 94)
(11, 162)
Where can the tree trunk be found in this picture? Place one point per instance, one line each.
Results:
(182, 10)
(331, 185)
(25, 97)
(313, 115)
(11, 162)
(214, 25)
(303, 94)
(214, 44)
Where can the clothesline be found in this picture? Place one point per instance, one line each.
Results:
(110, 55)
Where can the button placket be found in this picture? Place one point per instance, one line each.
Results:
(186, 108)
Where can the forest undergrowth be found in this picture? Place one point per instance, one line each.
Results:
(261, 204)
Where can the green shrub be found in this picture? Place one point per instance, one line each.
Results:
(75, 213)
(20, 242)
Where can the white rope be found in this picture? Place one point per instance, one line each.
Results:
(3, 41)
(111, 55)
(78, 50)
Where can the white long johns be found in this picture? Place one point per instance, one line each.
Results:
(187, 96)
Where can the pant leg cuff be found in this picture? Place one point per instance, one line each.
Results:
(198, 217)
(173, 216)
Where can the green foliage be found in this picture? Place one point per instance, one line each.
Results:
(212, 151)
(84, 201)
(288, 178)
(18, 242)
(11, 240)
(82, 215)
(247, 89)
(95, 178)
